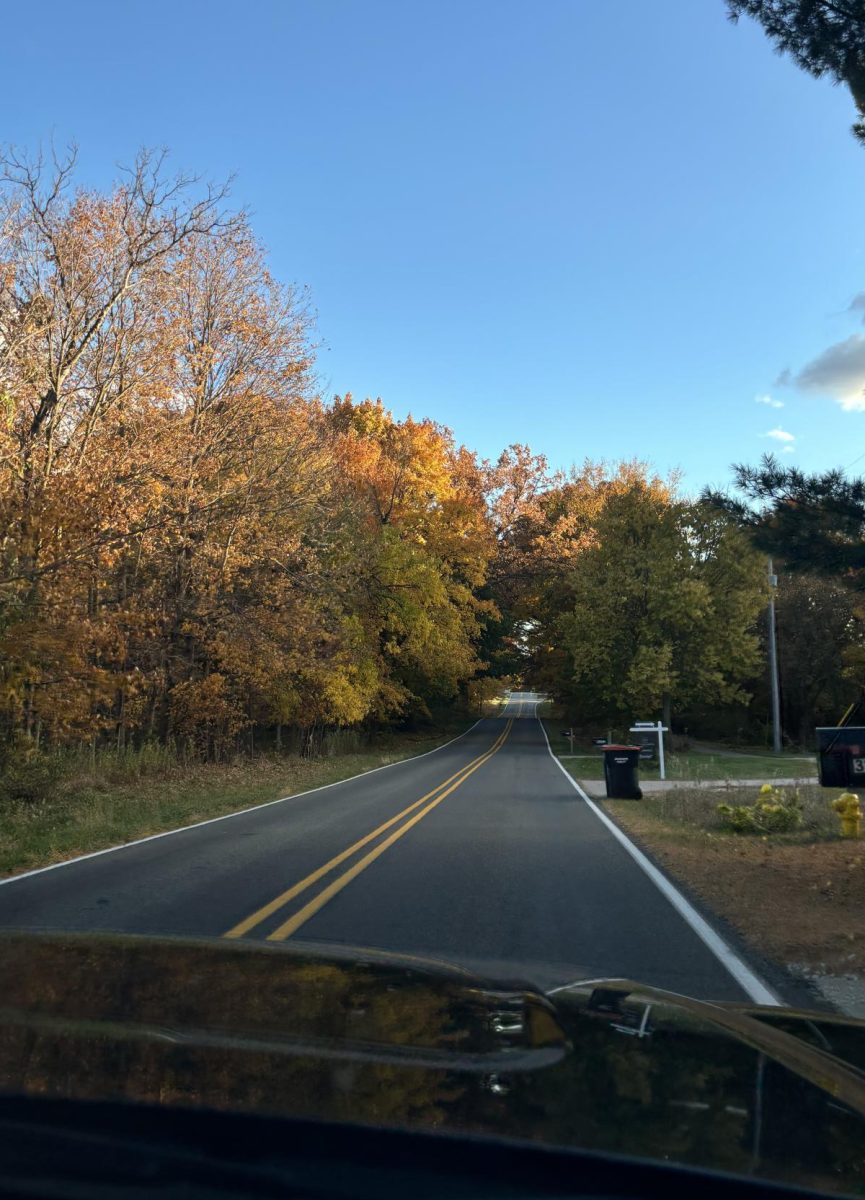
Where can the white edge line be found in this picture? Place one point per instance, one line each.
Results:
(741, 972)
(152, 837)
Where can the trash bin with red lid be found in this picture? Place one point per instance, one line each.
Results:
(621, 764)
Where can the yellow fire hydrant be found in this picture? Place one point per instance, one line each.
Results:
(849, 809)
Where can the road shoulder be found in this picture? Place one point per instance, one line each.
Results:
(794, 907)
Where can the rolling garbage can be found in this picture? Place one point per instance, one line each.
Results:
(841, 756)
(621, 764)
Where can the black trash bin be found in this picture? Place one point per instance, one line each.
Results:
(621, 764)
(841, 756)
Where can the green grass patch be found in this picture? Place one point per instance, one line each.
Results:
(119, 798)
(697, 765)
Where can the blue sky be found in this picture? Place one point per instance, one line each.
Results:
(602, 228)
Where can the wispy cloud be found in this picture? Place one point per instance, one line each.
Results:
(769, 401)
(857, 305)
(786, 440)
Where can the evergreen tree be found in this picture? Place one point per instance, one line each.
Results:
(824, 37)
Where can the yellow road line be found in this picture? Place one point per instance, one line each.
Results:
(309, 910)
(262, 914)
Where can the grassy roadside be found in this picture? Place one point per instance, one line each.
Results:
(86, 812)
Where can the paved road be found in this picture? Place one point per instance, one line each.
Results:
(480, 852)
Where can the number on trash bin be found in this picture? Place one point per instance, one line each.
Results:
(859, 766)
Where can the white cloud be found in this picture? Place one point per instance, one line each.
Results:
(780, 435)
(838, 372)
(787, 450)
(770, 401)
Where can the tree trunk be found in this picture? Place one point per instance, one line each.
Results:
(121, 719)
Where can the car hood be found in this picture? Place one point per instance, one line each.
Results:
(355, 1035)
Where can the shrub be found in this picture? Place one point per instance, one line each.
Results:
(28, 777)
(774, 812)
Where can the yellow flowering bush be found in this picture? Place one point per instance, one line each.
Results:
(775, 811)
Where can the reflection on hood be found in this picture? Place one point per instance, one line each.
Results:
(612, 1067)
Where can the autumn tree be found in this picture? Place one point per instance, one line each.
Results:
(516, 485)
(82, 279)
(193, 546)
(247, 473)
(424, 546)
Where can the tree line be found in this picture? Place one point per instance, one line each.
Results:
(197, 549)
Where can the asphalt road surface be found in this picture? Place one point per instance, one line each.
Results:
(481, 853)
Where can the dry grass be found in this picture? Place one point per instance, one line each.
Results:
(796, 898)
(694, 809)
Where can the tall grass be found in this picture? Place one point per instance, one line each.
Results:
(114, 765)
(697, 809)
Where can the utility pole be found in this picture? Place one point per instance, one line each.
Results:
(773, 666)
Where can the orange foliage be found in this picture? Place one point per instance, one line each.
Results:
(193, 544)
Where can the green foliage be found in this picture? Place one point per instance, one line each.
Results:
(656, 607)
(820, 645)
(814, 522)
(814, 526)
(775, 811)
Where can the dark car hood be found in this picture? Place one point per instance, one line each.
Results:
(356, 1036)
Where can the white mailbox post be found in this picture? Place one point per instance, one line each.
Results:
(660, 729)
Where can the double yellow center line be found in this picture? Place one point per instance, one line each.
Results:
(431, 800)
